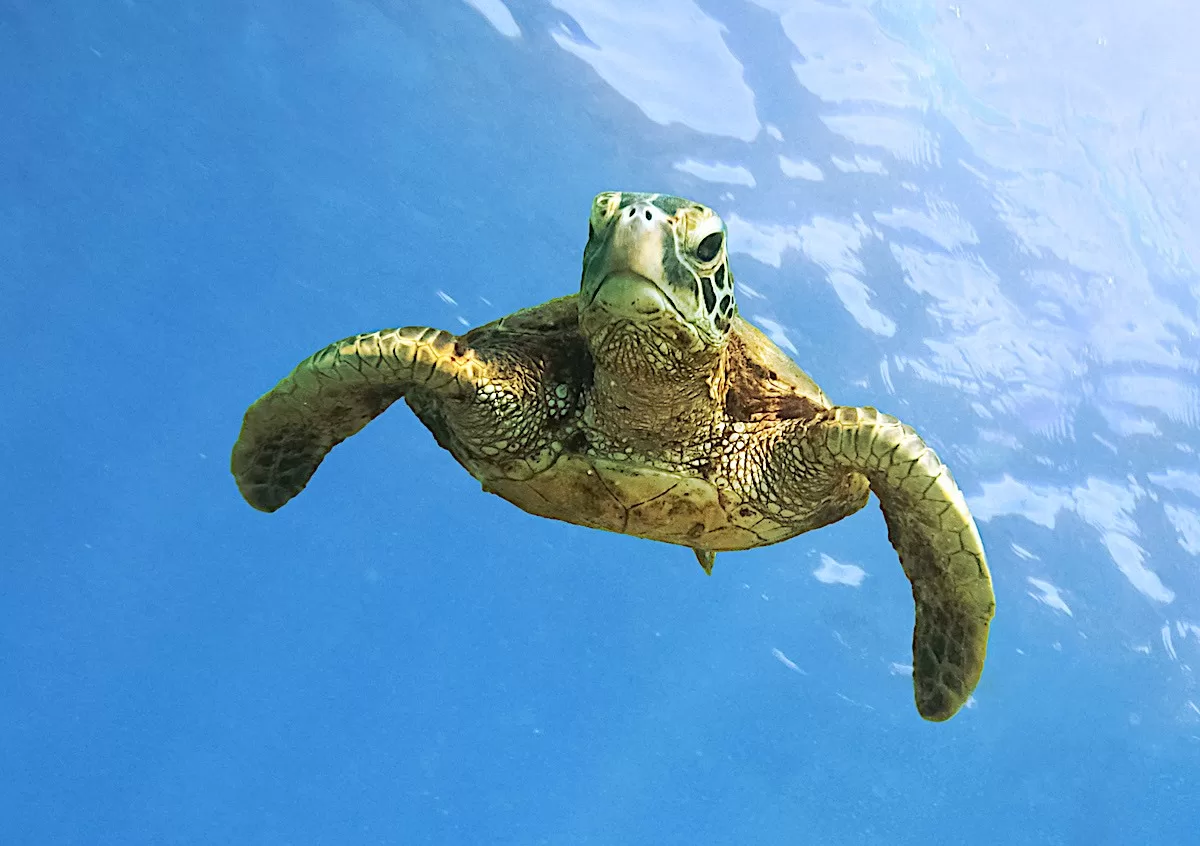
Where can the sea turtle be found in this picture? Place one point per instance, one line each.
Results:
(645, 405)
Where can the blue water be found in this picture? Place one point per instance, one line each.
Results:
(982, 218)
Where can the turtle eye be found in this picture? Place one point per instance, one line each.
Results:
(708, 248)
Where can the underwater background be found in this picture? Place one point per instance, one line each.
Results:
(980, 217)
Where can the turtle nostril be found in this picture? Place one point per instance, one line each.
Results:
(647, 212)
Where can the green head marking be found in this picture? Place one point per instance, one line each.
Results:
(655, 267)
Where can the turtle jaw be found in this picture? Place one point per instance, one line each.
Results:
(633, 322)
(624, 295)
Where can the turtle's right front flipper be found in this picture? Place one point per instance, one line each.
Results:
(332, 395)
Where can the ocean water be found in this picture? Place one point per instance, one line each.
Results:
(982, 218)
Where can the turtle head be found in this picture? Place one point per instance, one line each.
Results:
(656, 290)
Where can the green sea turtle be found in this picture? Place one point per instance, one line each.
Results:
(645, 405)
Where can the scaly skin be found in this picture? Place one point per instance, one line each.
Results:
(931, 529)
(332, 395)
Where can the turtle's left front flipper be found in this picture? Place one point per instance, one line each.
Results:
(941, 552)
(333, 394)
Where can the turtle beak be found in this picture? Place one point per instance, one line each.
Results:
(629, 295)
(634, 247)
(639, 237)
